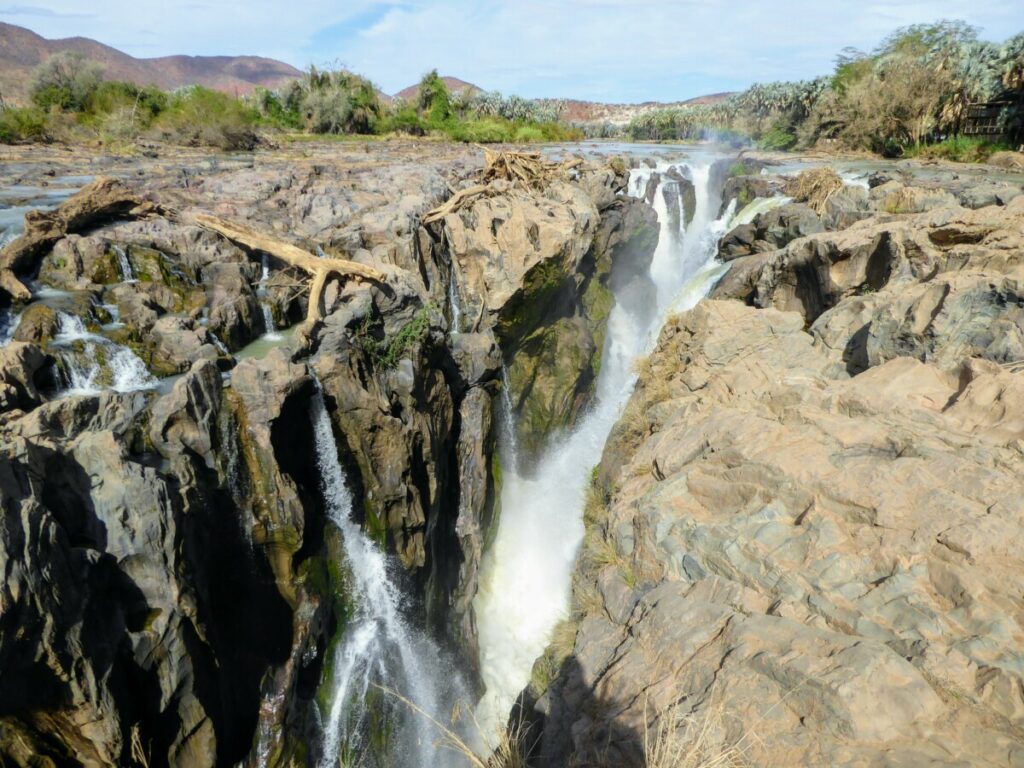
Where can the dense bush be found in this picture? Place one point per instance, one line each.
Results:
(197, 116)
(19, 125)
(333, 102)
(911, 91)
(64, 81)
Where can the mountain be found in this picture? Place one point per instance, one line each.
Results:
(21, 50)
(453, 83)
(576, 111)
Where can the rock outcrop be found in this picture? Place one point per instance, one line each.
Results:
(171, 589)
(802, 535)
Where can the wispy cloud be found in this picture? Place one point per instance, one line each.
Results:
(601, 49)
(35, 10)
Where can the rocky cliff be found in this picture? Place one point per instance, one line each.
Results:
(803, 538)
(171, 586)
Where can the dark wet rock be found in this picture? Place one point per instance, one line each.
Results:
(770, 231)
(21, 366)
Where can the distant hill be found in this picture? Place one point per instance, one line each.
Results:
(21, 50)
(576, 111)
(453, 83)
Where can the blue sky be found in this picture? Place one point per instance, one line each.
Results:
(605, 50)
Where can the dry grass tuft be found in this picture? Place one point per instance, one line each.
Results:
(510, 751)
(814, 187)
(680, 740)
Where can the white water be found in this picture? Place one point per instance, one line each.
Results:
(124, 266)
(269, 329)
(378, 647)
(454, 302)
(510, 447)
(758, 205)
(526, 576)
(100, 364)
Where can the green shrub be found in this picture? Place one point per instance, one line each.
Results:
(64, 81)
(433, 99)
(962, 149)
(18, 125)
(404, 119)
(197, 116)
(777, 138)
(334, 102)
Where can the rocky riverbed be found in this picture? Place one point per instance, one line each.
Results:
(807, 521)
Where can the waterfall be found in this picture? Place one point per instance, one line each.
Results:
(454, 302)
(510, 448)
(123, 265)
(526, 576)
(8, 326)
(93, 362)
(377, 647)
(269, 329)
(758, 205)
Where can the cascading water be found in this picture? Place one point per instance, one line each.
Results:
(378, 647)
(93, 362)
(510, 447)
(526, 576)
(454, 302)
(269, 328)
(123, 264)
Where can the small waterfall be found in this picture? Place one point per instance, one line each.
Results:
(123, 264)
(526, 576)
(758, 205)
(221, 346)
(320, 253)
(94, 363)
(454, 302)
(510, 449)
(8, 326)
(269, 329)
(378, 647)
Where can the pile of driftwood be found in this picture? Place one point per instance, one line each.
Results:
(814, 187)
(527, 168)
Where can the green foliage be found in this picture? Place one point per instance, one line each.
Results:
(64, 81)
(433, 100)
(197, 116)
(20, 125)
(332, 102)
(778, 137)
(387, 352)
(913, 89)
(963, 149)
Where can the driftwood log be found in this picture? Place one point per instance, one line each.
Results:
(103, 199)
(322, 271)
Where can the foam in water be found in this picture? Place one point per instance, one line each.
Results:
(99, 363)
(378, 647)
(526, 576)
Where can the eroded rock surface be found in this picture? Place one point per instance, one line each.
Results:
(804, 529)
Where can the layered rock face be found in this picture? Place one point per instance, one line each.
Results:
(170, 586)
(804, 536)
(536, 268)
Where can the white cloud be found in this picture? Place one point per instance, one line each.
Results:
(602, 49)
